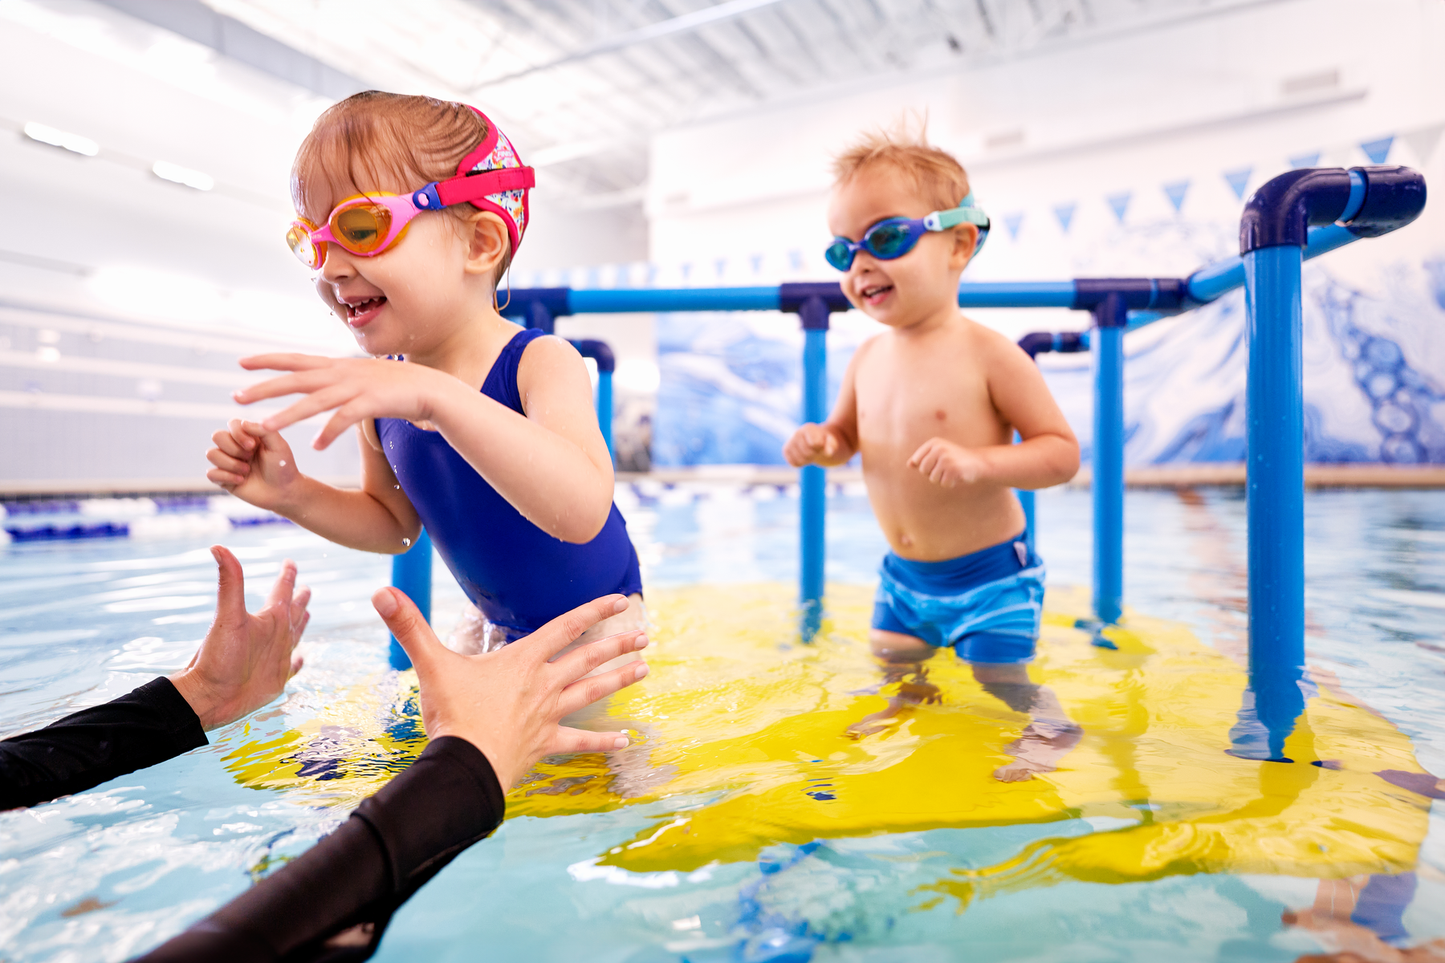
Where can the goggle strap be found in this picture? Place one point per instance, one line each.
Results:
(943, 220)
(473, 187)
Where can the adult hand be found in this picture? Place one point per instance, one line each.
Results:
(807, 443)
(244, 660)
(944, 463)
(357, 388)
(509, 703)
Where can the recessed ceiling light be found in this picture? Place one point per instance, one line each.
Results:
(177, 174)
(59, 138)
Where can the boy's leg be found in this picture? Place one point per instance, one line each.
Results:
(1050, 733)
(902, 657)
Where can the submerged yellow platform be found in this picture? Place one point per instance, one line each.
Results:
(747, 732)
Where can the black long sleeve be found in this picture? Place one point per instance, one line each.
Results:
(393, 843)
(143, 727)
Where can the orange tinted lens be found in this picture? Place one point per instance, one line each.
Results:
(362, 228)
(298, 239)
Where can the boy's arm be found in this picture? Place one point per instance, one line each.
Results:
(1048, 452)
(836, 440)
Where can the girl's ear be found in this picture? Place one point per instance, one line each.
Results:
(486, 238)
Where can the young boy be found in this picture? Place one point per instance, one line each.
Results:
(932, 405)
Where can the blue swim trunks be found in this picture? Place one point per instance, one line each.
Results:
(985, 605)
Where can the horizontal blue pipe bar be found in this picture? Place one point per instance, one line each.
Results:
(1217, 279)
(623, 300)
(1016, 294)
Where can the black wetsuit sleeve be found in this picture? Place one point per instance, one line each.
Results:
(143, 727)
(353, 880)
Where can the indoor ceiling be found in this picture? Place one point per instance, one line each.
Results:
(581, 84)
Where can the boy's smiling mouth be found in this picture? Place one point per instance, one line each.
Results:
(359, 313)
(874, 293)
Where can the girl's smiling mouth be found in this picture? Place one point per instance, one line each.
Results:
(360, 313)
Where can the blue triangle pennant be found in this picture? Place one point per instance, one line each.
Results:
(1238, 180)
(1013, 222)
(1065, 214)
(1175, 192)
(1304, 160)
(1378, 150)
(1119, 203)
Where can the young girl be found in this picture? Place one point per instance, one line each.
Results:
(483, 433)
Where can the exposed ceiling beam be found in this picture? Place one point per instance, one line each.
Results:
(685, 23)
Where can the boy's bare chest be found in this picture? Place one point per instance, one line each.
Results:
(907, 397)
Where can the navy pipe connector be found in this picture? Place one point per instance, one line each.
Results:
(537, 307)
(1394, 196)
(1064, 342)
(598, 351)
(793, 295)
(1138, 293)
(1283, 210)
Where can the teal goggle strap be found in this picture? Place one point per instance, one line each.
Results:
(964, 213)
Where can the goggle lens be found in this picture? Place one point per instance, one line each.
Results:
(298, 239)
(362, 228)
(888, 241)
(840, 255)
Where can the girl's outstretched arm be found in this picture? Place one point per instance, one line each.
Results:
(256, 465)
(550, 464)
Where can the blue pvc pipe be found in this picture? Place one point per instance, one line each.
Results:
(604, 406)
(623, 300)
(1108, 469)
(813, 501)
(1274, 407)
(1215, 280)
(1016, 294)
(1026, 501)
(411, 572)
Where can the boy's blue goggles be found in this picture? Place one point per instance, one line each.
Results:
(896, 236)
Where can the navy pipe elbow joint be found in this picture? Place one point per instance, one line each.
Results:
(598, 351)
(537, 307)
(1282, 211)
(1064, 342)
(1394, 196)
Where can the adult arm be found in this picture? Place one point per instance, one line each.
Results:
(490, 718)
(242, 664)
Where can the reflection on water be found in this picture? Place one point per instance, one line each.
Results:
(773, 829)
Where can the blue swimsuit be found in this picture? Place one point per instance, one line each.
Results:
(518, 575)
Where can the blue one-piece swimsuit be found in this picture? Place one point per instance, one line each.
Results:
(516, 574)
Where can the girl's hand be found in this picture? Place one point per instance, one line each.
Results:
(357, 388)
(807, 443)
(947, 464)
(252, 463)
(509, 703)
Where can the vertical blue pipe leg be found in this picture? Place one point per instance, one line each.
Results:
(1275, 489)
(411, 572)
(1108, 458)
(1026, 501)
(604, 408)
(813, 501)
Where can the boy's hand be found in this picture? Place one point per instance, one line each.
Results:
(807, 443)
(252, 463)
(357, 388)
(509, 703)
(947, 464)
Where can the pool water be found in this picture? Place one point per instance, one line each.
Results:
(750, 823)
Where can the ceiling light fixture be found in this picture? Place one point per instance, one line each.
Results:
(177, 174)
(59, 138)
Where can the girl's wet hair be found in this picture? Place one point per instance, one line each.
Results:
(381, 141)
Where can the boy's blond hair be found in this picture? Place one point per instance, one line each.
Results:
(934, 173)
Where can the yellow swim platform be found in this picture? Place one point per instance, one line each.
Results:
(747, 744)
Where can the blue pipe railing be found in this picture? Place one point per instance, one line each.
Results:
(1294, 217)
